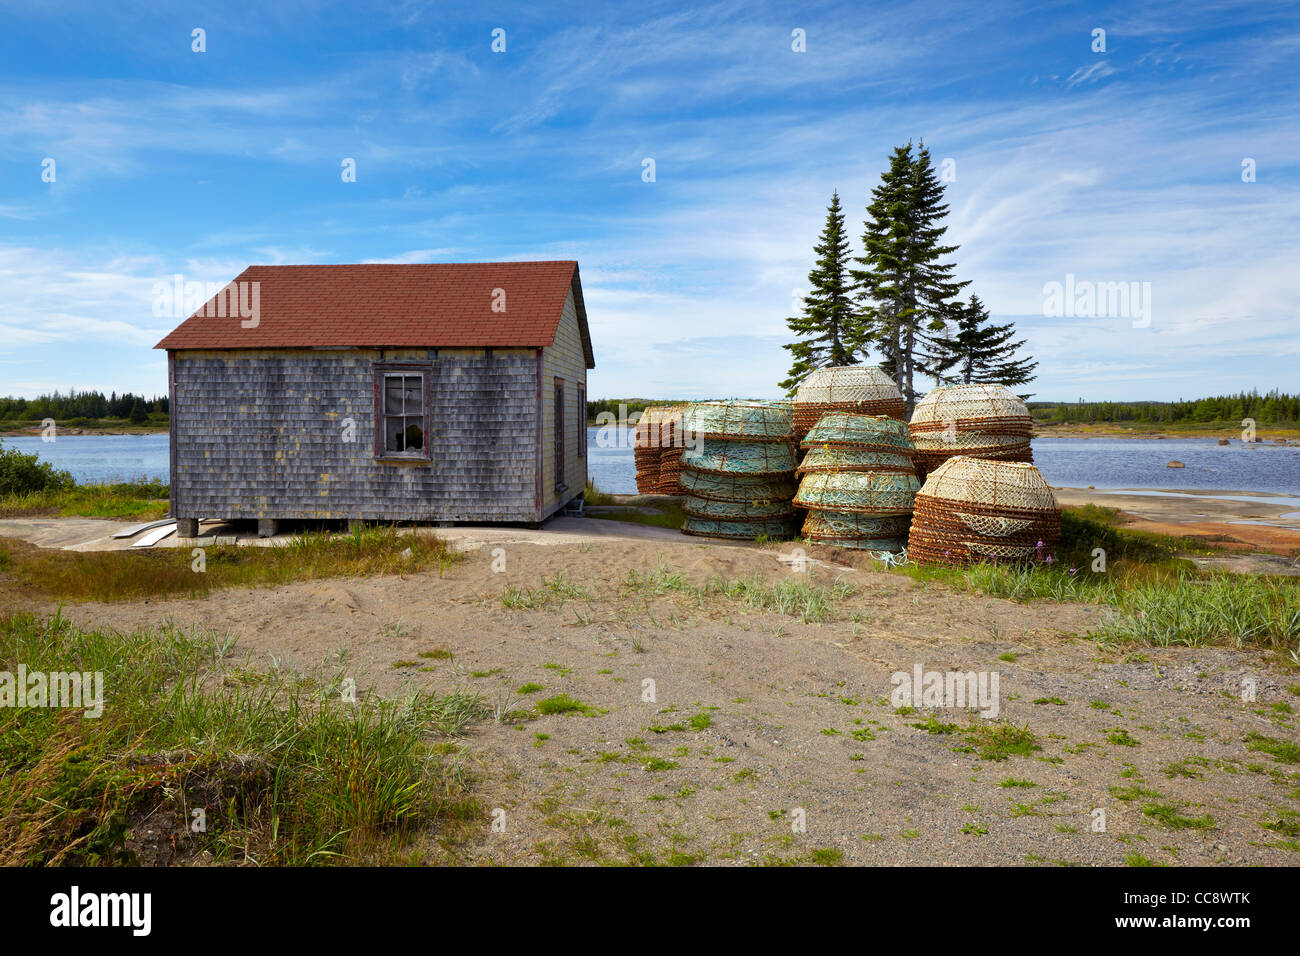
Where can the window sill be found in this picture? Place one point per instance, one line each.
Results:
(402, 459)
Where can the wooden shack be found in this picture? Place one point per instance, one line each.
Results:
(428, 392)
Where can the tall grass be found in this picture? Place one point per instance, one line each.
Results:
(133, 499)
(131, 575)
(790, 596)
(284, 770)
(1196, 610)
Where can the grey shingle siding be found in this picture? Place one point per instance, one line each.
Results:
(261, 435)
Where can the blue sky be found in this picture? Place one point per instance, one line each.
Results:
(1122, 166)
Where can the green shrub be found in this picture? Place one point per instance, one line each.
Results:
(22, 473)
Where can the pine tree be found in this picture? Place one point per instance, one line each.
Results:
(829, 327)
(138, 415)
(980, 351)
(907, 291)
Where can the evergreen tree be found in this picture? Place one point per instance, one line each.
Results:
(907, 291)
(829, 329)
(980, 351)
(138, 415)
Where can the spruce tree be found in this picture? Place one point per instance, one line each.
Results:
(980, 351)
(829, 328)
(907, 290)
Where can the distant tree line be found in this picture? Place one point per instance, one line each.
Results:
(76, 404)
(1271, 408)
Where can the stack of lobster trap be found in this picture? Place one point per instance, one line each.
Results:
(978, 421)
(976, 509)
(738, 464)
(858, 482)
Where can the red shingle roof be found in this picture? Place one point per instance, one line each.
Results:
(437, 305)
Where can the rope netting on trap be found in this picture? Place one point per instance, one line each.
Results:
(847, 525)
(754, 510)
(750, 421)
(740, 457)
(980, 420)
(858, 389)
(655, 430)
(824, 459)
(977, 509)
(717, 486)
(740, 530)
(862, 432)
(858, 492)
(738, 469)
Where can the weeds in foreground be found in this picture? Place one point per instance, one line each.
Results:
(134, 499)
(282, 769)
(132, 575)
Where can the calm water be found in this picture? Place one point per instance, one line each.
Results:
(1069, 462)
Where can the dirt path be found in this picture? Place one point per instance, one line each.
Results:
(760, 721)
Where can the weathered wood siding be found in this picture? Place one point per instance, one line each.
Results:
(564, 359)
(260, 434)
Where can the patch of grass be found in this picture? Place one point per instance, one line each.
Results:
(1197, 610)
(827, 856)
(562, 704)
(700, 721)
(665, 514)
(1121, 738)
(932, 726)
(657, 764)
(1016, 782)
(1050, 700)
(158, 572)
(1134, 793)
(790, 596)
(288, 772)
(528, 687)
(1285, 751)
(1001, 739)
(144, 500)
(1167, 815)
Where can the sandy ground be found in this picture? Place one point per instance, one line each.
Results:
(772, 740)
(1261, 531)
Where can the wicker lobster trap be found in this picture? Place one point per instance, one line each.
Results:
(853, 459)
(978, 509)
(850, 530)
(741, 530)
(764, 458)
(738, 464)
(757, 509)
(980, 421)
(858, 492)
(729, 486)
(654, 426)
(865, 432)
(734, 420)
(860, 389)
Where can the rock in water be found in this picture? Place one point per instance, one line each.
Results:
(1175, 464)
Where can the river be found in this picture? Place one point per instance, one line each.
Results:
(1064, 462)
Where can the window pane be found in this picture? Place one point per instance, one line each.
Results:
(394, 434)
(393, 395)
(414, 434)
(414, 394)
